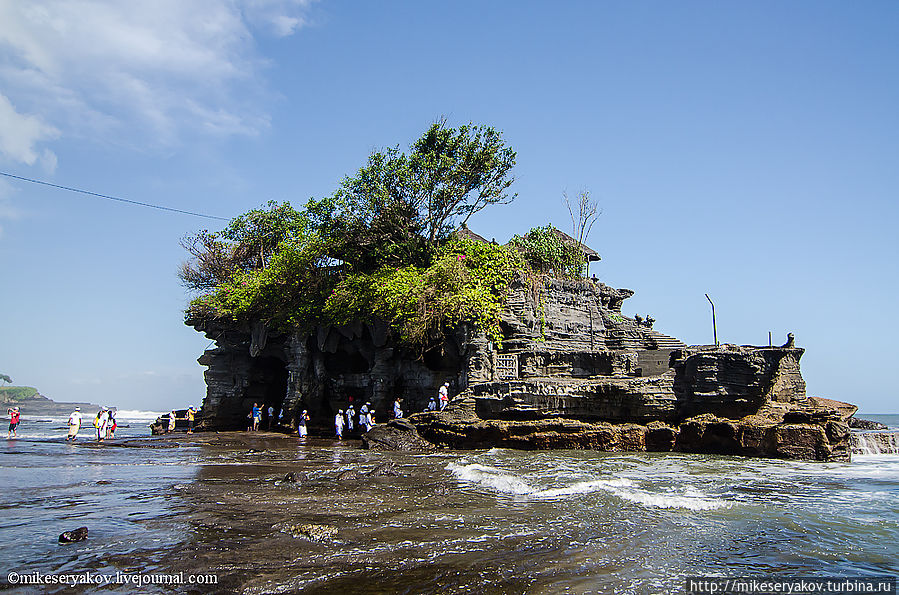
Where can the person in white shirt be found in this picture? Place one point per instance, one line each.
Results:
(338, 424)
(444, 395)
(350, 414)
(74, 424)
(301, 424)
(102, 422)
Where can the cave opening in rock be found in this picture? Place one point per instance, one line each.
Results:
(267, 386)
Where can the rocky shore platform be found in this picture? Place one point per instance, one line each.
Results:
(817, 432)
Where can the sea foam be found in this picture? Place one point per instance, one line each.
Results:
(491, 477)
(620, 487)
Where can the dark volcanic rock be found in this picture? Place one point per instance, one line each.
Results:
(760, 435)
(397, 434)
(79, 534)
(387, 469)
(866, 424)
(349, 475)
(572, 372)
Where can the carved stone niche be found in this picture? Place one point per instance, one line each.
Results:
(506, 366)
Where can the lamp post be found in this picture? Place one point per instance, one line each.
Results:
(714, 325)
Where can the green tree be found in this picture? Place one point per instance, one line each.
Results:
(398, 208)
(5, 378)
(458, 172)
(371, 221)
(545, 251)
(248, 243)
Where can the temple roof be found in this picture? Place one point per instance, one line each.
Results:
(589, 253)
(465, 233)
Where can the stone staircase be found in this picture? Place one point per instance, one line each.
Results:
(662, 341)
(655, 361)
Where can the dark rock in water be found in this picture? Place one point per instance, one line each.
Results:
(387, 469)
(103, 482)
(79, 534)
(397, 434)
(293, 477)
(866, 424)
(308, 530)
(348, 475)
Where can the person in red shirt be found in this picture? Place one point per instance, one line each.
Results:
(13, 422)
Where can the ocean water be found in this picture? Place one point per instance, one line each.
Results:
(489, 521)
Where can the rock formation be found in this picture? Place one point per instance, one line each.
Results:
(571, 372)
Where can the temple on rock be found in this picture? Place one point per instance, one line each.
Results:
(571, 371)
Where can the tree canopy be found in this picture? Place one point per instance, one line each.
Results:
(380, 246)
(399, 207)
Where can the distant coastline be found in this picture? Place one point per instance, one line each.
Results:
(31, 402)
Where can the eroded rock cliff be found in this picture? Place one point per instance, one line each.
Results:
(571, 372)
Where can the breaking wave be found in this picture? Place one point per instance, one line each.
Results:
(491, 477)
(620, 487)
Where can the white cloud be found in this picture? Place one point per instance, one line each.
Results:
(19, 133)
(272, 14)
(151, 71)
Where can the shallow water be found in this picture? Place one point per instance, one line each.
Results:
(496, 521)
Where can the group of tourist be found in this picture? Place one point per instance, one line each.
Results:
(256, 414)
(346, 420)
(442, 397)
(104, 422)
(189, 416)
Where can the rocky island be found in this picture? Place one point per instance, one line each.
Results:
(31, 402)
(341, 302)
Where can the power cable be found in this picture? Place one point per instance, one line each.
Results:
(116, 198)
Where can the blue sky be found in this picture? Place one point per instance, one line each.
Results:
(748, 150)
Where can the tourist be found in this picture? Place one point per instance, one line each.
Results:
(172, 420)
(191, 413)
(257, 416)
(13, 422)
(111, 425)
(444, 395)
(350, 414)
(338, 424)
(370, 418)
(301, 424)
(101, 422)
(271, 415)
(432, 405)
(397, 411)
(74, 424)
